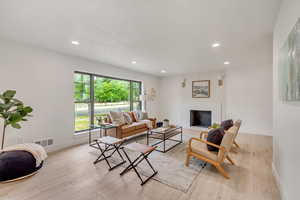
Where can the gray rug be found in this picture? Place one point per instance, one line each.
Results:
(170, 165)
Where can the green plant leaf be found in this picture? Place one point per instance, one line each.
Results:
(15, 125)
(15, 117)
(28, 109)
(17, 101)
(9, 94)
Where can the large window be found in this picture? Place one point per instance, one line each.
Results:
(96, 95)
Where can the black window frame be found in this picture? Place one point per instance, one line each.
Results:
(92, 96)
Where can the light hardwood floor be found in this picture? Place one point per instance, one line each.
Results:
(70, 174)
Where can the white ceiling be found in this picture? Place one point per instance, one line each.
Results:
(175, 35)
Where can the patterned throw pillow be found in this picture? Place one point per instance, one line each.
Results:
(117, 117)
(127, 117)
(135, 116)
(215, 136)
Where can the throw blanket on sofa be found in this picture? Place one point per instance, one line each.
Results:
(36, 150)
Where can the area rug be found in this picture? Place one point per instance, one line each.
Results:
(170, 165)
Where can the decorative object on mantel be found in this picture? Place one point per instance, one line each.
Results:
(12, 111)
(221, 80)
(183, 83)
(289, 67)
(201, 89)
(166, 123)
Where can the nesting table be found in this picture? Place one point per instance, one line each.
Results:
(109, 144)
(144, 151)
(102, 131)
(163, 135)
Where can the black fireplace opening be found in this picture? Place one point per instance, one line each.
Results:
(200, 118)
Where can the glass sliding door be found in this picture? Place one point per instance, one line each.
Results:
(96, 95)
(82, 89)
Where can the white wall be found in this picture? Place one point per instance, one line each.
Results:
(249, 97)
(177, 101)
(286, 116)
(44, 80)
(246, 95)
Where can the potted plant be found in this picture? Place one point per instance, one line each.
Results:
(215, 125)
(12, 111)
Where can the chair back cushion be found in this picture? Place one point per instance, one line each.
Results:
(227, 141)
(227, 124)
(238, 124)
(215, 136)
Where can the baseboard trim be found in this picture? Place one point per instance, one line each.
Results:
(278, 183)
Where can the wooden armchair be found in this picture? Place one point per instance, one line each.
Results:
(198, 148)
(237, 123)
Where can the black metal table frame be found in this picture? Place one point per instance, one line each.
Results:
(133, 164)
(164, 139)
(101, 128)
(109, 147)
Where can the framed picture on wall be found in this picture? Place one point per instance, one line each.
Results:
(201, 89)
(289, 67)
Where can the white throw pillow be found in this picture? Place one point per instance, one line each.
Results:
(117, 117)
(143, 115)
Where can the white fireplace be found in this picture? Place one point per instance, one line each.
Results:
(214, 108)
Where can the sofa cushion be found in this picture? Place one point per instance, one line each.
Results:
(227, 124)
(128, 128)
(139, 125)
(200, 148)
(117, 117)
(215, 136)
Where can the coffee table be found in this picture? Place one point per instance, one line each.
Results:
(163, 135)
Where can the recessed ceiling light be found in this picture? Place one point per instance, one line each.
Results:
(226, 63)
(163, 71)
(215, 45)
(75, 42)
(133, 62)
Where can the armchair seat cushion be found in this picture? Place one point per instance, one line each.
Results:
(200, 148)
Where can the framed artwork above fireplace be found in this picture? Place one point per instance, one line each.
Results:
(201, 89)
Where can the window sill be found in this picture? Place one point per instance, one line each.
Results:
(84, 132)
